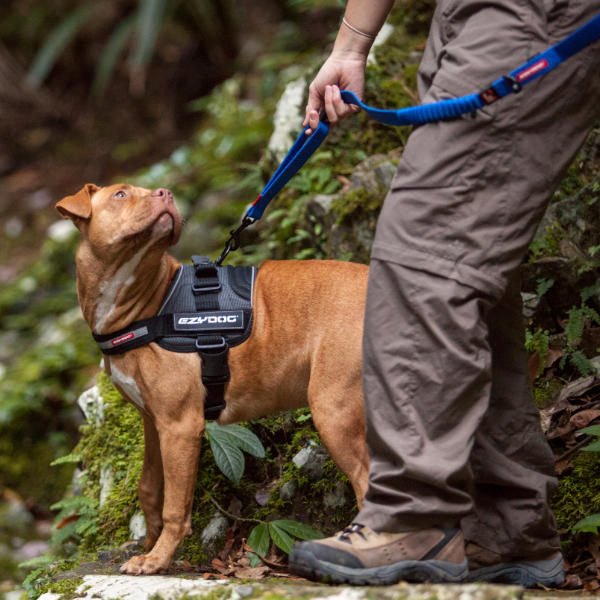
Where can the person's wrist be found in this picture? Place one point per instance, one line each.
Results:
(352, 44)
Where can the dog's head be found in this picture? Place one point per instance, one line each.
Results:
(123, 217)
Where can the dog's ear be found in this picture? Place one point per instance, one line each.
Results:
(78, 206)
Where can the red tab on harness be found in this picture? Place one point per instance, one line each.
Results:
(122, 339)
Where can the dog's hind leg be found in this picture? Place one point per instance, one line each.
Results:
(179, 449)
(150, 487)
(338, 414)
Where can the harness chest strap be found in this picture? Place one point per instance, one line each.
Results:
(207, 310)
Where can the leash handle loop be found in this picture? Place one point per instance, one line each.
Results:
(302, 149)
(305, 146)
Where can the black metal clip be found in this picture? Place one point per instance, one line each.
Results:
(233, 243)
(514, 83)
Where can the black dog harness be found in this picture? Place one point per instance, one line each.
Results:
(208, 309)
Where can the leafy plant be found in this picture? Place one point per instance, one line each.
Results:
(538, 341)
(282, 533)
(591, 523)
(139, 31)
(579, 317)
(84, 522)
(227, 443)
(56, 43)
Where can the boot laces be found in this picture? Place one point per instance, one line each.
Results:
(346, 534)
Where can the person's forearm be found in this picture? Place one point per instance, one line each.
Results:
(363, 20)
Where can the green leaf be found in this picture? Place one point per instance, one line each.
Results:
(147, 26)
(110, 56)
(303, 417)
(280, 537)
(241, 437)
(229, 458)
(588, 524)
(260, 539)
(56, 42)
(543, 286)
(299, 530)
(69, 458)
(591, 430)
(593, 447)
(254, 560)
(575, 325)
(582, 363)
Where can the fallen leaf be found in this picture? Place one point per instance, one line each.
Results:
(594, 549)
(533, 364)
(251, 572)
(583, 418)
(553, 355)
(572, 581)
(592, 585)
(228, 545)
(70, 519)
(244, 561)
(218, 565)
(562, 466)
(213, 576)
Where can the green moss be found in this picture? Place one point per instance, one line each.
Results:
(65, 587)
(578, 493)
(414, 15)
(120, 438)
(544, 391)
(357, 204)
(547, 244)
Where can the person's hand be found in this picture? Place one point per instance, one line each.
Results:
(341, 70)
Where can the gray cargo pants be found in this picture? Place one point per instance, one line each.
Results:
(452, 430)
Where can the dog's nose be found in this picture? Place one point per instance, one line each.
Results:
(163, 193)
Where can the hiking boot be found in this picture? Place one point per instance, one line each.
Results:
(358, 555)
(487, 566)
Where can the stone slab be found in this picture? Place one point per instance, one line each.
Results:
(124, 587)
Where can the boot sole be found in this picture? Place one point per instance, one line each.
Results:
(306, 565)
(549, 573)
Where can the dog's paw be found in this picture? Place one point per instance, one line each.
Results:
(144, 564)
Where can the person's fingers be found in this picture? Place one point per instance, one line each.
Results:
(329, 106)
(314, 101)
(342, 109)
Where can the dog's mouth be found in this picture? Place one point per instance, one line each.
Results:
(164, 224)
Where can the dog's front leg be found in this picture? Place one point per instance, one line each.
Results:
(179, 450)
(150, 487)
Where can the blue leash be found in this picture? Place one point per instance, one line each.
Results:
(304, 146)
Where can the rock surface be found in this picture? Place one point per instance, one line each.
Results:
(124, 587)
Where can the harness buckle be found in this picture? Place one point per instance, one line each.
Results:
(205, 289)
(221, 345)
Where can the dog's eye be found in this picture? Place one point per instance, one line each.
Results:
(120, 194)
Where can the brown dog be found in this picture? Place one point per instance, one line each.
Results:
(307, 314)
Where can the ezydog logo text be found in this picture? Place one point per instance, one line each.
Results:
(209, 321)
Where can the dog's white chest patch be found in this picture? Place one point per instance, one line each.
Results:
(128, 385)
(110, 289)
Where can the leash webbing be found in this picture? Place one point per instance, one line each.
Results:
(512, 83)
